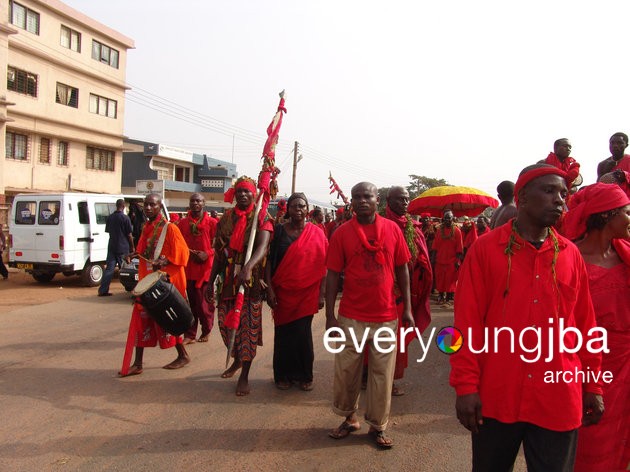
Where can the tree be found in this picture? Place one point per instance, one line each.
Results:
(420, 183)
(417, 185)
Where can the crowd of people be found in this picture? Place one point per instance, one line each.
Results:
(539, 290)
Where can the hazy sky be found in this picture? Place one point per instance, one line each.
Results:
(471, 92)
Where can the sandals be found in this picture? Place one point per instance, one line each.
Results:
(382, 441)
(306, 386)
(344, 430)
(283, 385)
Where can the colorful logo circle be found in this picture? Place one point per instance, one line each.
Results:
(449, 340)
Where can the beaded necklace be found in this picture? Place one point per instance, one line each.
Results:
(148, 252)
(512, 246)
(193, 224)
(410, 236)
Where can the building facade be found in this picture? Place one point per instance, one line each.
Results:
(175, 174)
(63, 103)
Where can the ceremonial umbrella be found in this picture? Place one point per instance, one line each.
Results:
(462, 201)
(267, 186)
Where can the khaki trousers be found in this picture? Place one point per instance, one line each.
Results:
(348, 369)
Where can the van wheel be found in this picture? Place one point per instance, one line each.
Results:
(92, 274)
(43, 277)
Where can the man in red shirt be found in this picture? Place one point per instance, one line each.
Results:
(198, 229)
(519, 287)
(560, 158)
(617, 144)
(372, 252)
(448, 252)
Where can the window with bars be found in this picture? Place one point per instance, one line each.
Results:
(44, 151)
(103, 106)
(21, 81)
(23, 17)
(16, 146)
(70, 38)
(62, 153)
(67, 95)
(163, 169)
(100, 159)
(104, 54)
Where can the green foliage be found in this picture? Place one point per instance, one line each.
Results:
(420, 183)
(417, 185)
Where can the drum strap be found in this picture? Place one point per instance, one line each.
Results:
(160, 243)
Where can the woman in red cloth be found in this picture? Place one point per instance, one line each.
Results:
(295, 276)
(599, 219)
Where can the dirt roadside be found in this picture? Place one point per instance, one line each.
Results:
(64, 408)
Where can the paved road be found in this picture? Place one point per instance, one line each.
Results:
(63, 407)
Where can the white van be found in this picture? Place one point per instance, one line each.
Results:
(64, 232)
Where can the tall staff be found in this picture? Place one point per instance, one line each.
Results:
(335, 188)
(268, 187)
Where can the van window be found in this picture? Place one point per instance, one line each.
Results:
(25, 213)
(84, 214)
(49, 212)
(103, 210)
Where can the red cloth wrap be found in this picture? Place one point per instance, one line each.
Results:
(228, 196)
(299, 275)
(233, 318)
(569, 165)
(590, 200)
(527, 177)
(377, 247)
(420, 277)
(202, 241)
(237, 241)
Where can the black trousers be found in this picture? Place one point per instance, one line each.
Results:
(496, 446)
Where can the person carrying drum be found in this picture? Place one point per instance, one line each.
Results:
(198, 230)
(167, 253)
(230, 273)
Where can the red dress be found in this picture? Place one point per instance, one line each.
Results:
(606, 445)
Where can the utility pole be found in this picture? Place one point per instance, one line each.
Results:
(296, 159)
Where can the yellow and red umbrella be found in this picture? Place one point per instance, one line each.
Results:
(462, 201)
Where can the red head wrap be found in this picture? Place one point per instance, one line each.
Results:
(425, 215)
(596, 198)
(237, 240)
(532, 174)
(243, 182)
(340, 211)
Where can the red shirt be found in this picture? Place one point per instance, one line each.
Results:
(368, 290)
(569, 165)
(511, 389)
(198, 234)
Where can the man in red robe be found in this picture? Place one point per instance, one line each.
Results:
(448, 252)
(519, 287)
(560, 158)
(420, 274)
(469, 233)
(198, 230)
(617, 144)
(171, 258)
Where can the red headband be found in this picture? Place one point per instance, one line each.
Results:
(596, 198)
(247, 184)
(528, 176)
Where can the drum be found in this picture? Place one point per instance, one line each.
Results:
(164, 303)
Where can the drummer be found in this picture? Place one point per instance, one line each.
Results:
(171, 258)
